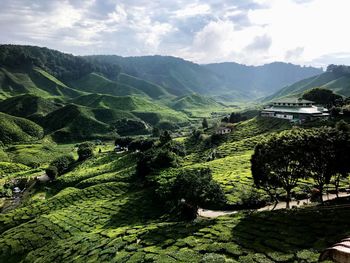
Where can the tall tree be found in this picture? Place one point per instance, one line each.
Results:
(279, 162)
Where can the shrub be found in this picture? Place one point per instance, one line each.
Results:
(62, 163)
(85, 151)
(141, 145)
(190, 190)
(51, 172)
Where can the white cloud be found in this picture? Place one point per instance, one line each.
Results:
(193, 9)
(245, 31)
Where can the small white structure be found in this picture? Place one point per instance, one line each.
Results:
(223, 130)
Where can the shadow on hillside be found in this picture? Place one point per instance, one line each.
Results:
(288, 231)
(139, 208)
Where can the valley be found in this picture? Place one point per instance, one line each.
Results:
(117, 159)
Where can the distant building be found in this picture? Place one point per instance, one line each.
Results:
(223, 130)
(295, 110)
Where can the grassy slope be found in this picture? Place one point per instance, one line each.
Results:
(195, 101)
(28, 105)
(34, 81)
(149, 111)
(152, 90)
(15, 129)
(101, 215)
(74, 122)
(329, 80)
(95, 83)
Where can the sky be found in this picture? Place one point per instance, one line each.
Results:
(253, 32)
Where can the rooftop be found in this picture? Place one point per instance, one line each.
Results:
(303, 110)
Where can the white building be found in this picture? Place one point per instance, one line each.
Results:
(223, 130)
(293, 109)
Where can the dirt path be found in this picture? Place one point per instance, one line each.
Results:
(281, 205)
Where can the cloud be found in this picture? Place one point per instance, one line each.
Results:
(245, 31)
(260, 43)
(294, 53)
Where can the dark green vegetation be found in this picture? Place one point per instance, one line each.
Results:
(320, 154)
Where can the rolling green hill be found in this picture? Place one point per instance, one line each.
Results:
(74, 122)
(340, 84)
(28, 105)
(34, 81)
(96, 83)
(195, 101)
(178, 76)
(15, 129)
(149, 111)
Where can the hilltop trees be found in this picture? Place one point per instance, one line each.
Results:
(319, 154)
(322, 96)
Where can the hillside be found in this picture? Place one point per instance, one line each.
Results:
(100, 211)
(15, 129)
(35, 81)
(72, 123)
(261, 80)
(340, 84)
(178, 76)
(28, 106)
(195, 101)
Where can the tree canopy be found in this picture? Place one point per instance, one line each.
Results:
(322, 96)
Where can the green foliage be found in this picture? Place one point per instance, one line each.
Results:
(85, 151)
(164, 137)
(28, 106)
(62, 163)
(322, 96)
(194, 188)
(51, 172)
(130, 127)
(123, 141)
(15, 129)
(280, 161)
(155, 160)
(61, 65)
(141, 144)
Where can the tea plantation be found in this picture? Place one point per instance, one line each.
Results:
(102, 215)
(99, 211)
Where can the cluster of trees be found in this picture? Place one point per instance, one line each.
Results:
(283, 160)
(340, 70)
(324, 97)
(182, 193)
(59, 166)
(85, 150)
(189, 190)
(61, 65)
